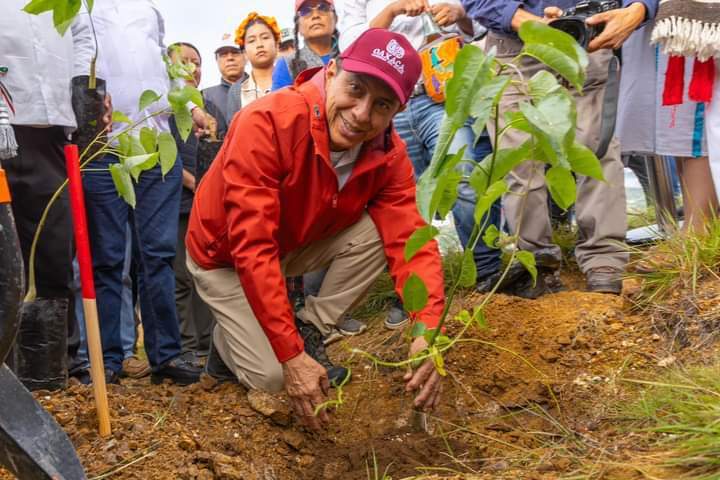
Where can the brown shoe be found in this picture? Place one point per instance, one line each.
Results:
(135, 367)
(605, 280)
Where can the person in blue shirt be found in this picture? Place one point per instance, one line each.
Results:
(601, 206)
(504, 17)
(315, 20)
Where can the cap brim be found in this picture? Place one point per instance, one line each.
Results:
(228, 47)
(358, 66)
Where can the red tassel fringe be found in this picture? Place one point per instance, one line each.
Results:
(674, 81)
(703, 78)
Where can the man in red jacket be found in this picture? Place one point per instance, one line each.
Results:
(311, 177)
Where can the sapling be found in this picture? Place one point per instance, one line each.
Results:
(137, 146)
(549, 120)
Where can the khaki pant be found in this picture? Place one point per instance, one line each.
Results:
(354, 259)
(600, 206)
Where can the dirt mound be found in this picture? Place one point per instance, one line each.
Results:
(525, 398)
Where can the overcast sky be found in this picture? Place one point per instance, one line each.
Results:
(203, 23)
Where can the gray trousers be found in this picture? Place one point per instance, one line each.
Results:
(196, 319)
(600, 206)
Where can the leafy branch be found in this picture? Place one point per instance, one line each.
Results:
(547, 117)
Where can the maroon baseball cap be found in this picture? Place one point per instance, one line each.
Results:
(387, 56)
(299, 3)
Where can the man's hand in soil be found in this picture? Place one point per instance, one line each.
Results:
(307, 385)
(619, 25)
(426, 379)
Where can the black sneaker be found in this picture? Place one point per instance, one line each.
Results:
(315, 347)
(548, 281)
(84, 377)
(217, 369)
(397, 317)
(179, 370)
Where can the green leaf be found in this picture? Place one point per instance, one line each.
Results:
(558, 61)
(471, 70)
(418, 240)
(64, 14)
(90, 5)
(433, 190)
(468, 271)
(136, 147)
(36, 7)
(485, 98)
(479, 318)
(415, 294)
(448, 193)
(518, 121)
(120, 117)
(584, 162)
(123, 183)
(543, 84)
(439, 362)
(486, 201)
(505, 161)
(538, 32)
(124, 144)
(491, 236)
(556, 49)
(140, 163)
(147, 98)
(418, 330)
(184, 122)
(527, 259)
(148, 139)
(195, 96)
(552, 115)
(168, 152)
(562, 186)
(442, 340)
(463, 317)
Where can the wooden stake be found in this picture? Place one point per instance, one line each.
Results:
(92, 326)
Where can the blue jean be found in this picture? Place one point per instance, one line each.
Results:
(153, 224)
(419, 126)
(127, 310)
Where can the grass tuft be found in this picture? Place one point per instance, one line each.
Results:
(678, 264)
(684, 409)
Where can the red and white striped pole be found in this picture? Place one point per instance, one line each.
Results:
(92, 326)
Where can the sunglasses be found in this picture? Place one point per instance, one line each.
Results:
(323, 7)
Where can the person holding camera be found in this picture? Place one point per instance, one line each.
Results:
(600, 26)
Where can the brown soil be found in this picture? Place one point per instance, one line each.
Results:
(530, 397)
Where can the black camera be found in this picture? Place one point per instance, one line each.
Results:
(573, 19)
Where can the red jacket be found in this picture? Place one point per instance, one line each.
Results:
(272, 189)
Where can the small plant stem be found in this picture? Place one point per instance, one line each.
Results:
(103, 150)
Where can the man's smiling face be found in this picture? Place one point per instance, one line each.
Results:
(359, 107)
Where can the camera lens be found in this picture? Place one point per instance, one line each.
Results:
(573, 27)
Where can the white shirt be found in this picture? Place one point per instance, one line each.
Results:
(39, 63)
(357, 15)
(130, 36)
(250, 91)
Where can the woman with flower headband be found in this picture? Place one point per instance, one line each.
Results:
(316, 21)
(258, 37)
